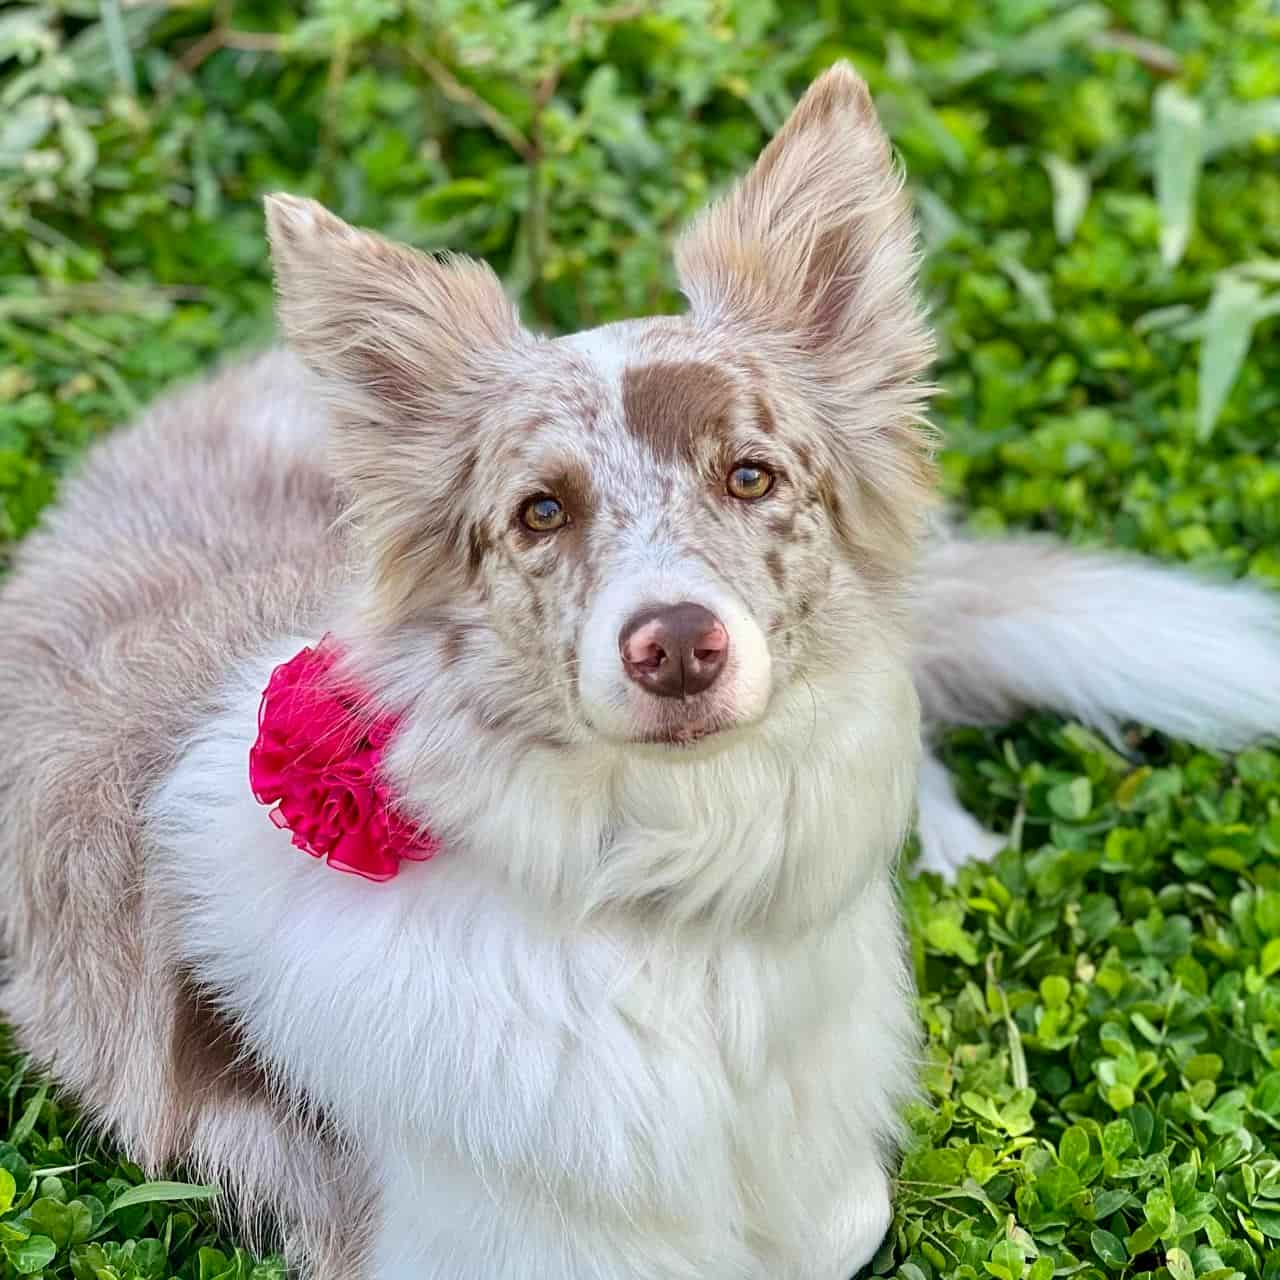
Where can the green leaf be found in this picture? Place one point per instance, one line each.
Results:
(1203, 1066)
(1055, 991)
(53, 1219)
(1110, 1249)
(161, 1192)
(1159, 1211)
(1177, 158)
(1072, 801)
(1239, 123)
(1266, 1098)
(8, 1188)
(1057, 1185)
(1007, 1261)
(946, 935)
(1117, 1137)
(31, 1255)
(1228, 330)
(1179, 1265)
(1073, 1147)
(1071, 189)
(215, 1265)
(30, 1116)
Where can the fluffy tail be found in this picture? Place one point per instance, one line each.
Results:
(1010, 625)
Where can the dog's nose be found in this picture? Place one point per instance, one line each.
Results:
(674, 651)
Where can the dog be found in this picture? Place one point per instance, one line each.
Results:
(659, 625)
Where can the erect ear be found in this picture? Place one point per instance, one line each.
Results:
(812, 259)
(406, 348)
(816, 245)
(398, 327)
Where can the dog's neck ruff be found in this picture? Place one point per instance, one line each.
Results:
(317, 759)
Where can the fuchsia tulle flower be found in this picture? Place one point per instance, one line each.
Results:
(317, 760)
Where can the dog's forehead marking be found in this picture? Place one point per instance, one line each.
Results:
(672, 405)
(664, 388)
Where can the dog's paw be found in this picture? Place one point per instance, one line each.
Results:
(946, 847)
(949, 834)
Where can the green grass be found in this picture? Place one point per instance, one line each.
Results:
(1100, 192)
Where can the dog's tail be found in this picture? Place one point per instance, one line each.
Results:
(1008, 625)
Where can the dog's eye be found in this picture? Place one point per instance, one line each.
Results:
(544, 514)
(749, 481)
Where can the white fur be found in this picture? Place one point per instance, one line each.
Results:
(1024, 623)
(1104, 638)
(599, 1098)
(949, 834)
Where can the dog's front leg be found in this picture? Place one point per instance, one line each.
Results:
(444, 1220)
(855, 1230)
(439, 1222)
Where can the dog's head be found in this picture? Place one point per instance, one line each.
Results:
(640, 533)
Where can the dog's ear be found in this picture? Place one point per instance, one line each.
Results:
(812, 260)
(816, 245)
(406, 349)
(394, 326)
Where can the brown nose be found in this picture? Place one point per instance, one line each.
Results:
(674, 651)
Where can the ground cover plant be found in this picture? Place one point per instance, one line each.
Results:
(1099, 191)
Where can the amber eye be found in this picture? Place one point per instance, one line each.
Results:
(544, 514)
(748, 481)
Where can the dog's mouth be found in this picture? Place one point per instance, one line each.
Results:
(674, 734)
(682, 724)
(684, 735)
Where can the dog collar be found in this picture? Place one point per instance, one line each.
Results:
(317, 760)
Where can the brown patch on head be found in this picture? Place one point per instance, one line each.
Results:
(208, 1056)
(828, 494)
(477, 547)
(672, 406)
(764, 415)
(573, 487)
(783, 525)
(777, 571)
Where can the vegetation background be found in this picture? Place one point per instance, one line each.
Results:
(1099, 191)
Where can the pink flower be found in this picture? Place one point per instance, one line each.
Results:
(317, 759)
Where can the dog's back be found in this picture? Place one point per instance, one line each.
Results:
(176, 547)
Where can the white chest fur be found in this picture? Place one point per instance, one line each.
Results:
(548, 1095)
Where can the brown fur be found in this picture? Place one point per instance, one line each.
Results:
(209, 1057)
(675, 409)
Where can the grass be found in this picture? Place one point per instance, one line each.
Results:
(1099, 187)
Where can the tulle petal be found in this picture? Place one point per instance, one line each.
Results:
(317, 759)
